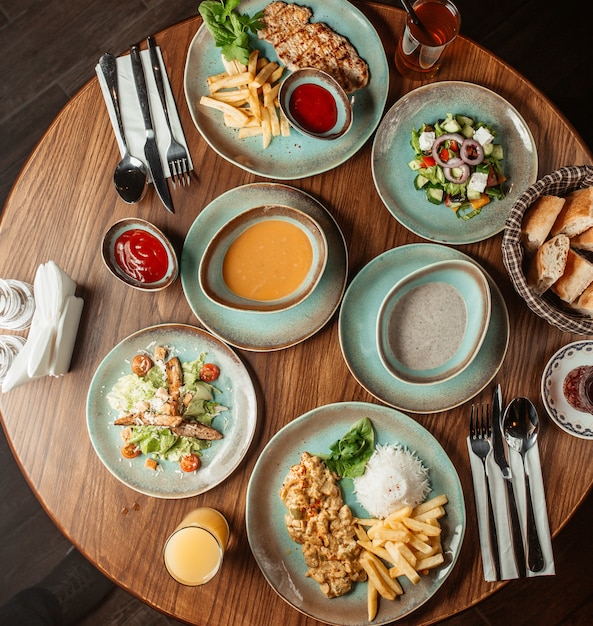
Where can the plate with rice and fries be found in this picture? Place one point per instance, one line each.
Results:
(407, 556)
(219, 95)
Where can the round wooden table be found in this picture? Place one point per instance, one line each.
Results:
(61, 205)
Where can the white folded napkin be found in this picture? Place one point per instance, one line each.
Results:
(132, 114)
(499, 494)
(49, 345)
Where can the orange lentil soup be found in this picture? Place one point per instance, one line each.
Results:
(268, 261)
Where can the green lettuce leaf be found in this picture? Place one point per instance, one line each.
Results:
(349, 455)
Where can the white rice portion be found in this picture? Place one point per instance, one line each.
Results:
(394, 477)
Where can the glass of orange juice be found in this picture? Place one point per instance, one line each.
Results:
(420, 49)
(194, 551)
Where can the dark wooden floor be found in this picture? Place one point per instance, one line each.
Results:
(48, 50)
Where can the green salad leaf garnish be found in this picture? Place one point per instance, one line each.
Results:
(349, 455)
(230, 28)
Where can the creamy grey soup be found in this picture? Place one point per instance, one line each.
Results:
(426, 325)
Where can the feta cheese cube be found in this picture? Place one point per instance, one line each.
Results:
(426, 140)
(478, 181)
(483, 136)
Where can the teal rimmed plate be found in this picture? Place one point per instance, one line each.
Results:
(357, 332)
(281, 560)
(392, 152)
(251, 330)
(296, 156)
(237, 423)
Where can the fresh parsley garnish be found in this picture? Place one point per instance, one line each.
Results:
(230, 28)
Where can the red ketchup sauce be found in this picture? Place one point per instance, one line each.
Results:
(141, 256)
(314, 108)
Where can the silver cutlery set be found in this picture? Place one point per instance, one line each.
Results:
(131, 176)
(506, 517)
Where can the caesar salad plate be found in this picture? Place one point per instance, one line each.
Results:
(392, 152)
(298, 155)
(237, 423)
(281, 560)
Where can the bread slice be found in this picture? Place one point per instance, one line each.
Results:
(577, 276)
(538, 221)
(584, 303)
(548, 264)
(584, 241)
(576, 215)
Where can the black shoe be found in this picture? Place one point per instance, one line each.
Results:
(78, 586)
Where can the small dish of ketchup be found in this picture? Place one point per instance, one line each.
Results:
(315, 104)
(139, 254)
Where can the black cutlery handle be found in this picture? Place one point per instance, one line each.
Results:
(158, 75)
(517, 535)
(141, 88)
(535, 557)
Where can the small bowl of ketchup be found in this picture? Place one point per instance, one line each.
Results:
(139, 254)
(315, 104)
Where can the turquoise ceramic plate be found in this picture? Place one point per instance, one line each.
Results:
(297, 156)
(392, 153)
(281, 560)
(357, 331)
(473, 293)
(253, 330)
(237, 424)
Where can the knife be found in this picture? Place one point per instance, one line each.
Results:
(150, 147)
(500, 456)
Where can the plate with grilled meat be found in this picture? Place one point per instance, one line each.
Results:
(332, 35)
(171, 411)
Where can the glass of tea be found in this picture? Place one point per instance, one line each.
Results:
(420, 49)
(194, 551)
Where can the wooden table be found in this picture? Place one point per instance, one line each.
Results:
(59, 209)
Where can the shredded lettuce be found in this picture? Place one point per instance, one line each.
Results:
(131, 389)
(163, 444)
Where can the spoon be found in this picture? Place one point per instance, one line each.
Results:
(130, 177)
(520, 426)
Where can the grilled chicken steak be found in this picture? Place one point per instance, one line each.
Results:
(300, 43)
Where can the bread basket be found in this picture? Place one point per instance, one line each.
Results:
(547, 306)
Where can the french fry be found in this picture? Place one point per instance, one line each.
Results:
(406, 543)
(372, 601)
(247, 96)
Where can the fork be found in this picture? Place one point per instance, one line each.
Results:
(177, 158)
(480, 433)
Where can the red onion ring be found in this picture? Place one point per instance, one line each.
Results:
(469, 145)
(440, 140)
(464, 167)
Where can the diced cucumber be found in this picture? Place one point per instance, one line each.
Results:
(467, 131)
(497, 151)
(451, 126)
(463, 120)
(488, 148)
(473, 194)
(434, 195)
(420, 181)
(414, 165)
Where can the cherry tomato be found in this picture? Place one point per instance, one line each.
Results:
(189, 463)
(130, 451)
(141, 364)
(209, 372)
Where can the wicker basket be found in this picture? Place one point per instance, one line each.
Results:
(547, 306)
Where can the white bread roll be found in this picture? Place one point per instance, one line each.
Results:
(548, 264)
(538, 221)
(576, 215)
(577, 276)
